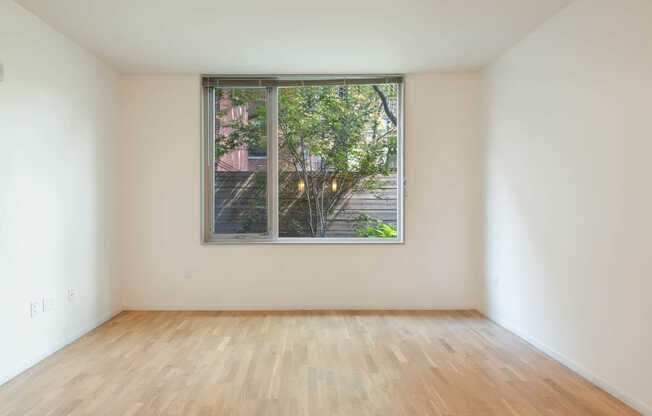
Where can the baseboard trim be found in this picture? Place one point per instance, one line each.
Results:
(635, 404)
(59, 346)
(295, 308)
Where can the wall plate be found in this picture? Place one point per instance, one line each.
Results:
(35, 307)
(48, 304)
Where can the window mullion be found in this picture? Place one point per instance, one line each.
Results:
(272, 161)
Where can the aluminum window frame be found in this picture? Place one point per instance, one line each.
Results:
(208, 237)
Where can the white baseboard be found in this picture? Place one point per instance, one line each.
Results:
(58, 346)
(636, 404)
(296, 308)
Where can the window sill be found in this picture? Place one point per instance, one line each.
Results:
(306, 240)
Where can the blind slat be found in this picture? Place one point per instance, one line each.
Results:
(210, 81)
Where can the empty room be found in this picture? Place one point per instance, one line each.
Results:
(366, 207)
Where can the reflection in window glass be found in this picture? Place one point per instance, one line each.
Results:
(337, 150)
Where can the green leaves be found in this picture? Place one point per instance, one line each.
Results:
(240, 120)
(370, 227)
(345, 127)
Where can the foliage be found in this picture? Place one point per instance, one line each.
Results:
(370, 227)
(248, 132)
(346, 134)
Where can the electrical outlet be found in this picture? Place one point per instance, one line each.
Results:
(71, 295)
(34, 308)
(48, 304)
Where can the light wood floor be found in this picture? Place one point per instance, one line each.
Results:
(308, 363)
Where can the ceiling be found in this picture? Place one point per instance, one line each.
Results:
(295, 36)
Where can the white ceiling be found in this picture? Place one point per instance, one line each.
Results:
(295, 36)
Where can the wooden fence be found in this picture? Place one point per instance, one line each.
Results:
(241, 206)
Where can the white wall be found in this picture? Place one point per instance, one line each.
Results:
(165, 267)
(569, 192)
(58, 199)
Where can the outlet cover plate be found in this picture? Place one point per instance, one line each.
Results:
(35, 308)
(48, 304)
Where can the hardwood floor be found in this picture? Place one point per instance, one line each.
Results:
(308, 363)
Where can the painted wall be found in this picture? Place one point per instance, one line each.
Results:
(569, 192)
(165, 267)
(58, 195)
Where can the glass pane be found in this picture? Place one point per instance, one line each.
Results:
(240, 162)
(337, 161)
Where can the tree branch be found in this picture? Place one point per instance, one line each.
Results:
(383, 99)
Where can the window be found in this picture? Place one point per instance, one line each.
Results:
(303, 160)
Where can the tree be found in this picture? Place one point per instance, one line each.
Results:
(342, 135)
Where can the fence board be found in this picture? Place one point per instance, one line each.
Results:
(240, 205)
